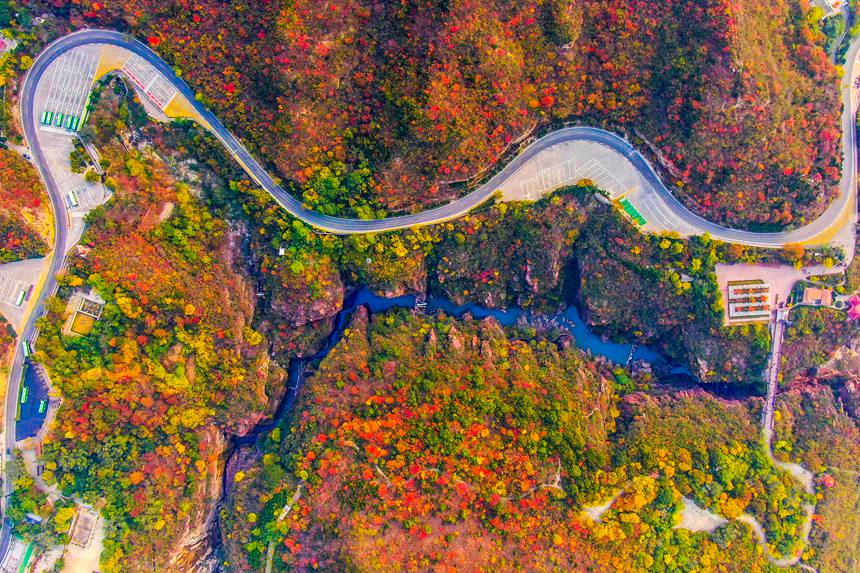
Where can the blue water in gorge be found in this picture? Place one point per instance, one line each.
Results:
(568, 319)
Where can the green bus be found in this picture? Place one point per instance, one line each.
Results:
(25, 344)
(43, 405)
(59, 120)
(25, 393)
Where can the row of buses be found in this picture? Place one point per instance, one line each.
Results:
(70, 122)
(24, 389)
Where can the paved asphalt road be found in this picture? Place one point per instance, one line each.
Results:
(347, 226)
(453, 209)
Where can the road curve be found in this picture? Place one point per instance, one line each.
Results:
(462, 205)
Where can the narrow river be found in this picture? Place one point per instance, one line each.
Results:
(568, 320)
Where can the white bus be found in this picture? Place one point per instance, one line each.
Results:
(21, 295)
(73, 199)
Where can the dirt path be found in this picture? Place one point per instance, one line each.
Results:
(798, 472)
(595, 512)
(695, 518)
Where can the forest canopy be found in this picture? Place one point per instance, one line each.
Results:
(367, 105)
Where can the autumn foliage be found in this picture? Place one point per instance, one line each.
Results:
(425, 443)
(171, 367)
(24, 226)
(415, 96)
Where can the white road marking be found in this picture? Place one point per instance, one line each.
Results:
(150, 80)
(557, 175)
(10, 289)
(70, 87)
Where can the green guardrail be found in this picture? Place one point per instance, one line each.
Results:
(25, 561)
(631, 212)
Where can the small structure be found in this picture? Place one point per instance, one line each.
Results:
(748, 301)
(84, 310)
(7, 44)
(854, 307)
(815, 296)
(83, 526)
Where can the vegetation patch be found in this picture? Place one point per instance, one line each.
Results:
(424, 442)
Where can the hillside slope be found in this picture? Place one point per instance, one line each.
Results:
(25, 226)
(366, 105)
(425, 443)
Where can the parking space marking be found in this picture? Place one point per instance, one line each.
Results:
(10, 289)
(70, 87)
(568, 171)
(148, 79)
(87, 196)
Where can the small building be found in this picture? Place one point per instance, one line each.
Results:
(748, 301)
(84, 311)
(828, 7)
(82, 527)
(815, 296)
(7, 44)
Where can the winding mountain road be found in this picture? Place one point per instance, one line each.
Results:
(459, 206)
(838, 215)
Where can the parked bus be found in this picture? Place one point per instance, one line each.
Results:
(21, 296)
(25, 344)
(69, 120)
(73, 199)
(45, 117)
(43, 405)
(59, 120)
(76, 123)
(25, 393)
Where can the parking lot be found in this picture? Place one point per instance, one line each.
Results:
(147, 78)
(571, 172)
(14, 278)
(70, 81)
(88, 196)
(10, 289)
(568, 164)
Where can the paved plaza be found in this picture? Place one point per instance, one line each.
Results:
(147, 78)
(69, 82)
